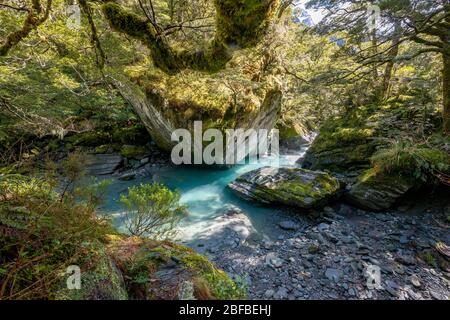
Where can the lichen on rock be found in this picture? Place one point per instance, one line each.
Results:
(289, 186)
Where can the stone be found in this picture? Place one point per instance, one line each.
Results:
(333, 274)
(392, 288)
(225, 231)
(282, 293)
(288, 225)
(415, 281)
(102, 164)
(323, 227)
(127, 176)
(289, 186)
(269, 293)
(274, 261)
(377, 192)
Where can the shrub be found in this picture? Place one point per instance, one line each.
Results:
(412, 160)
(152, 210)
(42, 231)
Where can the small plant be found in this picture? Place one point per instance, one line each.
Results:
(152, 210)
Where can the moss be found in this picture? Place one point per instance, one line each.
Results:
(241, 23)
(135, 152)
(102, 281)
(136, 134)
(144, 261)
(428, 257)
(89, 139)
(411, 160)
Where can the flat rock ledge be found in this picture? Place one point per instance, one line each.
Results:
(287, 186)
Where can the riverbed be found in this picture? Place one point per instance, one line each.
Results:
(205, 194)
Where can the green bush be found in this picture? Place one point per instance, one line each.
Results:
(43, 230)
(152, 210)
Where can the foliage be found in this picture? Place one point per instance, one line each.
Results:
(411, 159)
(43, 231)
(152, 210)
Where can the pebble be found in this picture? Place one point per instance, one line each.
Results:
(415, 281)
(333, 274)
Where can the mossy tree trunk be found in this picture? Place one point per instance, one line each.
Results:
(239, 24)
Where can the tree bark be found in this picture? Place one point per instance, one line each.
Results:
(390, 65)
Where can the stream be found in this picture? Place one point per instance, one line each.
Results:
(203, 191)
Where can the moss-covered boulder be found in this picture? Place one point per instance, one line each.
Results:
(163, 270)
(376, 192)
(100, 281)
(288, 186)
(345, 144)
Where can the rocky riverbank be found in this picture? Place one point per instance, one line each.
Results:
(330, 257)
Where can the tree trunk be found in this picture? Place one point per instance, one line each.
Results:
(446, 92)
(390, 65)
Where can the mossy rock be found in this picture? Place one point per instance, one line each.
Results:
(164, 270)
(377, 192)
(346, 143)
(289, 186)
(100, 281)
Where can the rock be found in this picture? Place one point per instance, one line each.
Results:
(223, 232)
(288, 225)
(323, 227)
(127, 176)
(274, 261)
(328, 211)
(102, 164)
(406, 259)
(345, 209)
(377, 192)
(333, 274)
(282, 293)
(403, 239)
(269, 293)
(392, 288)
(231, 209)
(437, 295)
(288, 186)
(415, 281)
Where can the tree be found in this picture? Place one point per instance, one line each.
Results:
(426, 22)
(152, 210)
(35, 16)
(239, 24)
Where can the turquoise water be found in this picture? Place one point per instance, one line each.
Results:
(203, 190)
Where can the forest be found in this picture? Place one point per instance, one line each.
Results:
(94, 207)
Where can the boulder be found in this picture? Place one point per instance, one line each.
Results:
(377, 192)
(162, 270)
(224, 232)
(289, 186)
(102, 164)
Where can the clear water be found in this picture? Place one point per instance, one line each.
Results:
(203, 190)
